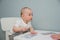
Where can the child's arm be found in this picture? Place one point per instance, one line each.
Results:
(18, 29)
(32, 30)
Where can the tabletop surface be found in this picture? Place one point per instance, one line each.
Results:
(41, 35)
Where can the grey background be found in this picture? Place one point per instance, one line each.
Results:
(46, 13)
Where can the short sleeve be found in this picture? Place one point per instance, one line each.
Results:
(17, 23)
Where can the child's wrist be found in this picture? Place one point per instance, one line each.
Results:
(20, 28)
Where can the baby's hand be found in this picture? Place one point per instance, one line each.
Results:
(24, 29)
(33, 32)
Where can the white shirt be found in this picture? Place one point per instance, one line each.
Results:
(20, 23)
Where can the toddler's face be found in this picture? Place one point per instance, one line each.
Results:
(27, 14)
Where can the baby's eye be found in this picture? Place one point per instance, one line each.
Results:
(30, 15)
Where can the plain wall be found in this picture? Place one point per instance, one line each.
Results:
(2, 33)
(46, 13)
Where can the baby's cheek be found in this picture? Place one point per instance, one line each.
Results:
(30, 18)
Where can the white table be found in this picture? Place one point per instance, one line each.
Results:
(41, 35)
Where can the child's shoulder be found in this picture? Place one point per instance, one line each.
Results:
(19, 19)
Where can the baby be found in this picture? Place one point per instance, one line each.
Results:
(24, 22)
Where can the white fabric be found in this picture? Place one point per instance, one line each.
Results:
(20, 23)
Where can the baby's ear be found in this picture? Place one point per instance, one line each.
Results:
(22, 15)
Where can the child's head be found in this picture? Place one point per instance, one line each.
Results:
(26, 14)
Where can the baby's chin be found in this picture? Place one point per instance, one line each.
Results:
(30, 20)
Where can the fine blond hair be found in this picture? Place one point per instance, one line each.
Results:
(24, 9)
